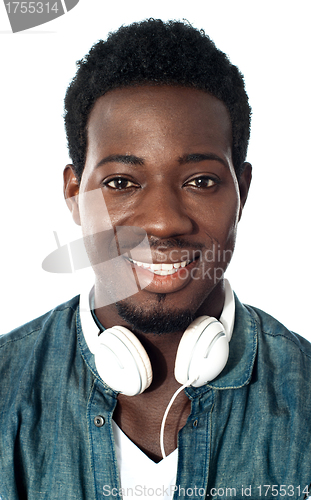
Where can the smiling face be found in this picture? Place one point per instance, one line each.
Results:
(162, 158)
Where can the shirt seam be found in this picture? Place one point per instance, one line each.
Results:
(287, 338)
(10, 341)
(259, 323)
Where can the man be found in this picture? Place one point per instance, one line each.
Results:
(157, 122)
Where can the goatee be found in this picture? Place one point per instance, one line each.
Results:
(159, 321)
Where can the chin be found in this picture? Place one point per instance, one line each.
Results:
(158, 321)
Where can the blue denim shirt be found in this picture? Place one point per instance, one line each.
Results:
(248, 434)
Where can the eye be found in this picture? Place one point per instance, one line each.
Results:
(120, 183)
(203, 182)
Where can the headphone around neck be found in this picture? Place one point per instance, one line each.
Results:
(123, 364)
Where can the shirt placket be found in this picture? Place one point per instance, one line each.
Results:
(104, 460)
(194, 443)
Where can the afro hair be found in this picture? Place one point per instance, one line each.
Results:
(172, 53)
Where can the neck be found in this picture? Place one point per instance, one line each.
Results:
(162, 348)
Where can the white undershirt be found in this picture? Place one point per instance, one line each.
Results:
(140, 476)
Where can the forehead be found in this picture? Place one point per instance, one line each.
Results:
(158, 116)
(161, 101)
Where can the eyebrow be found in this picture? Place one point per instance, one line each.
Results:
(198, 157)
(136, 160)
(125, 159)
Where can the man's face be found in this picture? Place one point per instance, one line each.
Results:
(162, 158)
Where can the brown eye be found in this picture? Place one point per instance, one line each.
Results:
(119, 183)
(203, 182)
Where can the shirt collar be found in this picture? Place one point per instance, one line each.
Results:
(242, 351)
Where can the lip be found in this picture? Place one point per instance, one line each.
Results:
(161, 268)
(164, 284)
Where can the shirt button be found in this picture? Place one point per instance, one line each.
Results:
(99, 421)
(195, 423)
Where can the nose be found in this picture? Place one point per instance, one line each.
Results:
(162, 213)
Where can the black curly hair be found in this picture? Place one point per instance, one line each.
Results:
(172, 53)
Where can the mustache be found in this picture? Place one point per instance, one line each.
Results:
(159, 244)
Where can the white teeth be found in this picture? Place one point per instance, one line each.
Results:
(142, 264)
(162, 269)
(167, 267)
(166, 273)
(156, 267)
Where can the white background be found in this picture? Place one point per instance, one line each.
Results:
(268, 40)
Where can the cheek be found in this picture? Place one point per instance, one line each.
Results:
(232, 224)
(222, 228)
(94, 214)
(96, 226)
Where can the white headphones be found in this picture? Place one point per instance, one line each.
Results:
(123, 364)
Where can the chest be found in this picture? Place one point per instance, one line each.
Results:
(141, 421)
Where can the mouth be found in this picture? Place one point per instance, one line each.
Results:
(162, 269)
(168, 277)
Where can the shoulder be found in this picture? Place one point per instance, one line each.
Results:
(36, 351)
(283, 357)
(271, 330)
(25, 336)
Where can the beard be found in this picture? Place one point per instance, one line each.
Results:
(159, 321)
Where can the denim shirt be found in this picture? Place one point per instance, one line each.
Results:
(248, 434)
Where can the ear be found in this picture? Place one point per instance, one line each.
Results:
(71, 191)
(244, 184)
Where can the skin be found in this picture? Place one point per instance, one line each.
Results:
(171, 195)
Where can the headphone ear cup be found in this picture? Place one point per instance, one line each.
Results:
(202, 352)
(122, 362)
